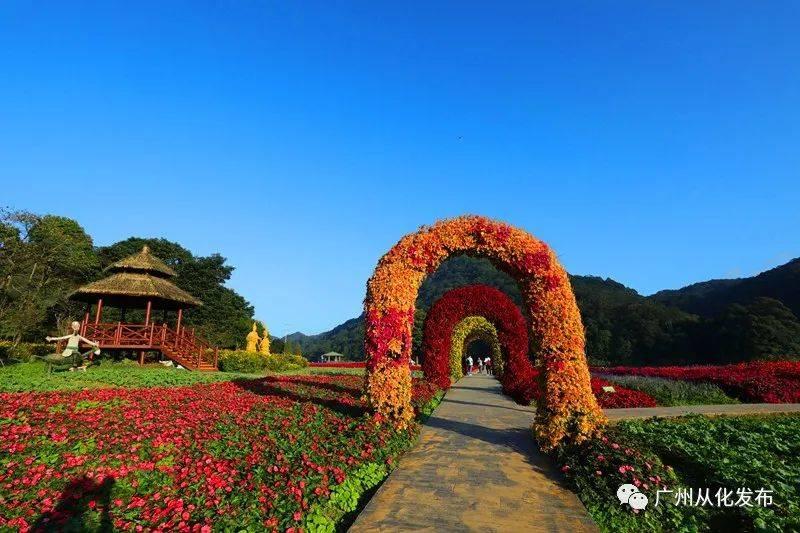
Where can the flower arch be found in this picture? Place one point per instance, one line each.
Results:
(468, 330)
(474, 301)
(569, 408)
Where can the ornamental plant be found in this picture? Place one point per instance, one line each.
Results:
(442, 341)
(568, 407)
(470, 329)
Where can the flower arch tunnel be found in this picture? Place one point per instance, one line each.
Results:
(569, 409)
(466, 307)
(469, 330)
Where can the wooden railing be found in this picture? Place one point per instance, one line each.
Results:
(182, 346)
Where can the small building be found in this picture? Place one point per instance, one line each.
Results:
(142, 281)
(331, 357)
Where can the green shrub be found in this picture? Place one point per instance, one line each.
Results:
(24, 351)
(254, 363)
(674, 392)
(285, 362)
(241, 361)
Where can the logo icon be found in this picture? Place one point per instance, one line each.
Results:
(630, 494)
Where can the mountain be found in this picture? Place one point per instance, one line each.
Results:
(714, 321)
(710, 298)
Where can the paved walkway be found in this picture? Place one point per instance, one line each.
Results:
(716, 410)
(476, 468)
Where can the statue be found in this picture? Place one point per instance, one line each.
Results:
(252, 340)
(71, 354)
(263, 346)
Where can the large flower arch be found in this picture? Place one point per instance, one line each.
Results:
(439, 334)
(569, 408)
(469, 330)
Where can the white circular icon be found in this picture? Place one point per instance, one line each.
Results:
(637, 501)
(624, 492)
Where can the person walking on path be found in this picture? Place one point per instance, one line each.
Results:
(469, 365)
(487, 364)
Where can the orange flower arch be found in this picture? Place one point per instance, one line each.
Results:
(568, 409)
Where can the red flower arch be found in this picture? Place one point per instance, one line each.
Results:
(474, 300)
(568, 407)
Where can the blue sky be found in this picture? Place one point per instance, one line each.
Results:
(655, 143)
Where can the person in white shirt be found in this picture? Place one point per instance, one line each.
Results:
(469, 365)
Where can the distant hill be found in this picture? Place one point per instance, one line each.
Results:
(714, 321)
(710, 298)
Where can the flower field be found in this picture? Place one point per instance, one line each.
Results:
(278, 453)
(669, 392)
(757, 382)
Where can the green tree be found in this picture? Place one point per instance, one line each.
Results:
(762, 329)
(42, 260)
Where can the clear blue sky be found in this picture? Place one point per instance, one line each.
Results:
(653, 142)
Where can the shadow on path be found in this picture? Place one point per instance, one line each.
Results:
(531, 411)
(519, 440)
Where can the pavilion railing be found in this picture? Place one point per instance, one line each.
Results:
(182, 345)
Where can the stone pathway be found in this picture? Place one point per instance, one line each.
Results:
(476, 468)
(711, 410)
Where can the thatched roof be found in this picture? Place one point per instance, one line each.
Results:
(143, 261)
(135, 285)
(135, 279)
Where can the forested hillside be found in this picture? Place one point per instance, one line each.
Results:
(711, 298)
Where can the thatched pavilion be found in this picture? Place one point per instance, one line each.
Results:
(142, 281)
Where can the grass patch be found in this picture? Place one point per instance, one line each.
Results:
(33, 376)
(674, 392)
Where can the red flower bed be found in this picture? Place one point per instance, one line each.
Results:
(458, 304)
(525, 388)
(256, 455)
(759, 382)
(621, 397)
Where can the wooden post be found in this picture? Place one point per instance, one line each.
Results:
(178, 327)
(86, 319)
(99, 312)
(147, 312)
